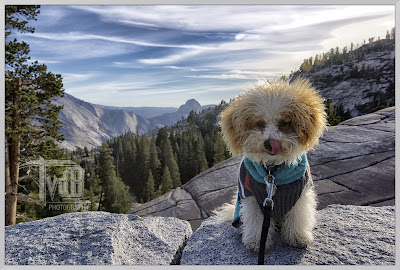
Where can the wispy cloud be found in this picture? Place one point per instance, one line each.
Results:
(239, 75)
(43, 61)
(77, 77)
(76, 36)
(172, 58)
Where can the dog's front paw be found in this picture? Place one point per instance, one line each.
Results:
(300, 240)
(300, 244)
(254, 247)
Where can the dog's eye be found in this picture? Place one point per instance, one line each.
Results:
(284, 125)
(260, 124)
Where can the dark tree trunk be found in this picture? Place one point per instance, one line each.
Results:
(13, 160)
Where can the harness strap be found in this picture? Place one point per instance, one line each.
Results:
(268, 205)
(264, 232)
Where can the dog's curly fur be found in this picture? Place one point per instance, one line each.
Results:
(292, 114)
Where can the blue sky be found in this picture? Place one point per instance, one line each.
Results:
(164, 55)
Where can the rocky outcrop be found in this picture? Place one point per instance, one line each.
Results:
(345, 235)
(353, 164)
(96, 238)
(364, 80)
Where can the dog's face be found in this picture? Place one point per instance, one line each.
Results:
(274, 123)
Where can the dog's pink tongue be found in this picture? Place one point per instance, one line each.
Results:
(276, 146)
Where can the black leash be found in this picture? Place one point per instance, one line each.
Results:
(264, 233)
(268, 205)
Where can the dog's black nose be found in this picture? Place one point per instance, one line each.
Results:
(267, 145)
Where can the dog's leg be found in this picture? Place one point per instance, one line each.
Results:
(252, 219)
(298, 224)
(225, 212)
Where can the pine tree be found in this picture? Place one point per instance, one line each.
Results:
(162, 135)
(174, 143)
(331, 112)
(141, 169)
(200, 161)
(128, 160)
(166, 182)
(184, 158)
(209, 148)
(31, 119)
(150, 192)
(115, 194)
(170, 162)
(158, 192)
(154, 163)
(219, 147)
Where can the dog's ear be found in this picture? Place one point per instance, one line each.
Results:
(308, 114)
(232, 127)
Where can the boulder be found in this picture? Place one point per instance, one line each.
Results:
(345, 235)
(176, 203)
(353, 164)
(96, 238)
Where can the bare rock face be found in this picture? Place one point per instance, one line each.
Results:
(96, 238)
(362, 81)
(88, 125)
(177, 203)
(345, 235)
(353, 164)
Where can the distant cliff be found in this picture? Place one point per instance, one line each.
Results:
(87, 124)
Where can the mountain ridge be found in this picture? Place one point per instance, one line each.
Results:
(87, 125)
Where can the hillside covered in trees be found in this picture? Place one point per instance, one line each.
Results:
(171, 157)
(358, 80)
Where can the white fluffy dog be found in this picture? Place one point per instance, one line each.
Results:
(273, 125)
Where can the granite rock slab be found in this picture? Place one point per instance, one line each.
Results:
(344, 235)
(96, 238)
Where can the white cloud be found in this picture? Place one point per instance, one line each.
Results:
(76, 36)
(76, 77)
(43, 61)
(175, 67)
(239, 75)
(173, 58)
(66, 47)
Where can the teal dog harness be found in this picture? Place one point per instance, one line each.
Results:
(290, 181)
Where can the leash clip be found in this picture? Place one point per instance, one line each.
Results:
(271, 189)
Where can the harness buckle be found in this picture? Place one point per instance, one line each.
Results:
(268, 201)
(271, 189)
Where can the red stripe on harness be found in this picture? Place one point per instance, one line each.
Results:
(245, 183)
